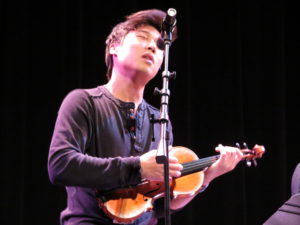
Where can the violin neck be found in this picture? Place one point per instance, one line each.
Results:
(198, 165)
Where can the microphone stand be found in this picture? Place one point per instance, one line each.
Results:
(162, 156)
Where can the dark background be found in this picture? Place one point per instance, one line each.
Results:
(237, 67)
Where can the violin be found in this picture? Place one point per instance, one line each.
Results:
(125, 205)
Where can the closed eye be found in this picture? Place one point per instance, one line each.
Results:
(146, 36)
(142, 36)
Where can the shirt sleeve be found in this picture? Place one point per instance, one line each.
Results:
(68, 165)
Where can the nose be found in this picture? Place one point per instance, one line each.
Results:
(152, 46)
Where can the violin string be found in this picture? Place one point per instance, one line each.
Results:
(198, 165)
(194, 169)
(200, 161)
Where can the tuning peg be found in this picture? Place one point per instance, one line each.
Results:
(245, 145)
(248, 163)
(254, 162)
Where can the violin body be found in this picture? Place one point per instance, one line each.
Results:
(188, 185)
(127, 204)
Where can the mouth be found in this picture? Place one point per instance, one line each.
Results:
(149, 57)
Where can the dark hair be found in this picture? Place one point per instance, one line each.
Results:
(152, 17)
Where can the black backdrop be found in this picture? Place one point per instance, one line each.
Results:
(236, 64)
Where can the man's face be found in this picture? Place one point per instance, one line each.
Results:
(138, 54)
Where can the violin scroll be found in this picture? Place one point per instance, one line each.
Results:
(250, 155)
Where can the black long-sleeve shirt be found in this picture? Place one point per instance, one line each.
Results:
(95, 145)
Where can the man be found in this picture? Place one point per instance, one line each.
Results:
(103, 137)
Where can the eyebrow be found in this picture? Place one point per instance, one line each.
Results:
(144, 31)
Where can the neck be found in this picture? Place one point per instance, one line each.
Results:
(126, 89)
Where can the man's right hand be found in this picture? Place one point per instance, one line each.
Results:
(152, 171)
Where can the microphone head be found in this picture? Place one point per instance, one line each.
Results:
(169, 24)
(172, 12)
(170, 19)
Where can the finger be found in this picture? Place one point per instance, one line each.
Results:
(240, 153)
(173, 159)
(229, 152)
(176, 166)
(174, 173)
(219, 148)
(236, 153)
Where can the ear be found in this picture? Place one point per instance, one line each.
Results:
(113, 50)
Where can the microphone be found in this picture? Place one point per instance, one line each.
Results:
(169, 20)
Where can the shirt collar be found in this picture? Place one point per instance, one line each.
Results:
(119, 102)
